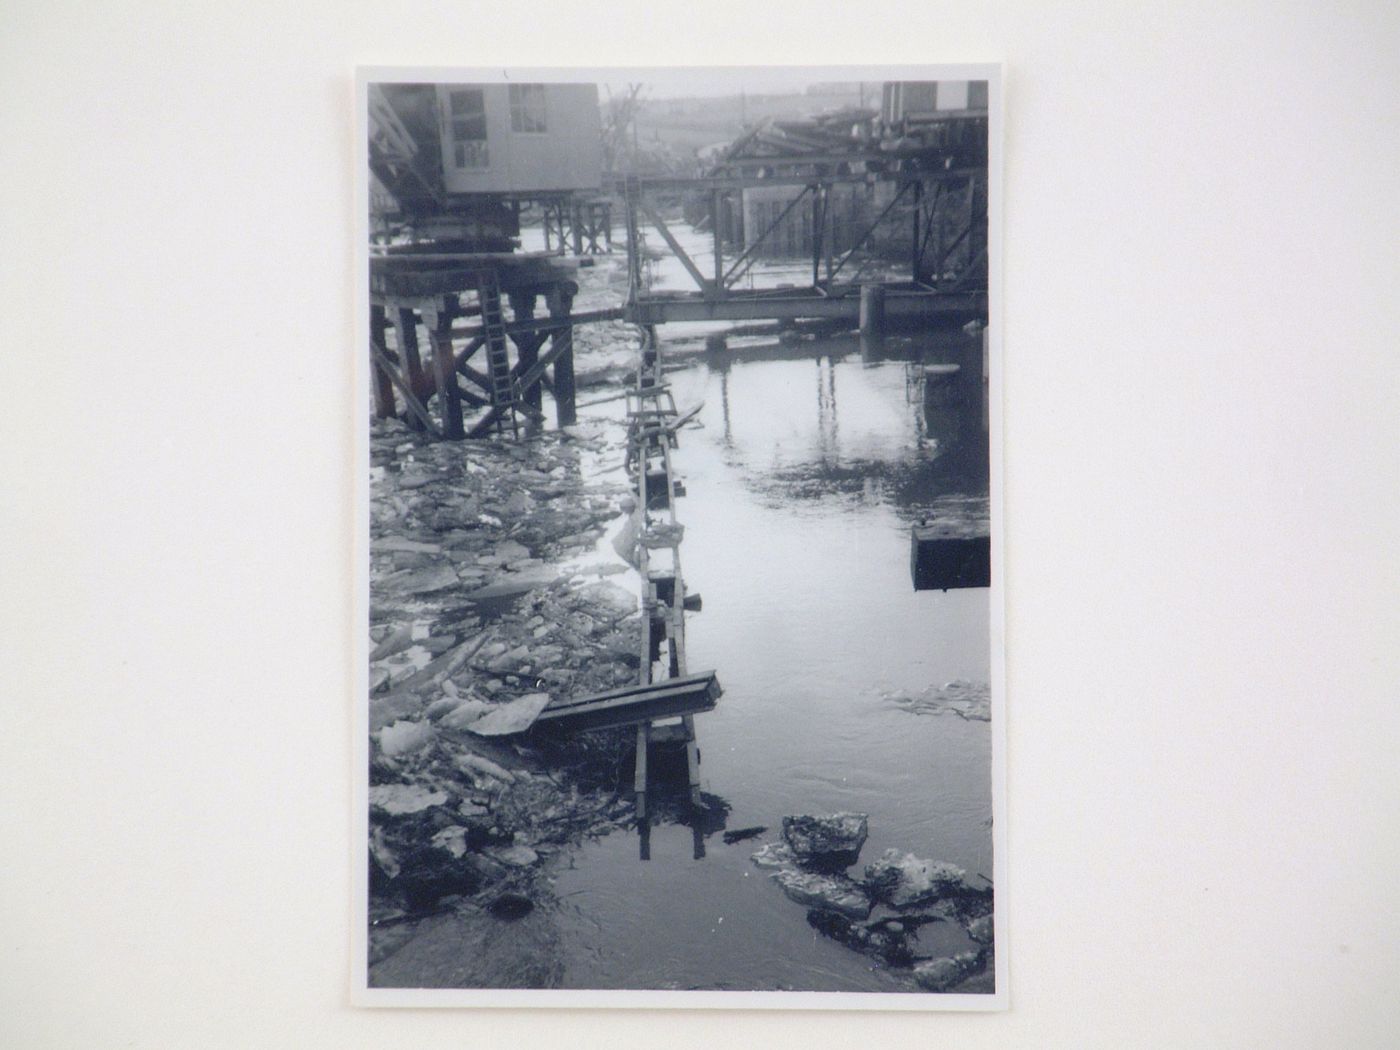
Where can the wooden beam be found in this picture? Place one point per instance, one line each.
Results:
(564, 387)
(478, 377)
(414, 405)
(384, 406)
(639, 783)
(678, 184)
(635, 704)
(406, 329)
(675, 246)
(439, 327)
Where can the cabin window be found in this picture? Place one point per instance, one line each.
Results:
(467, 121)
(977, 94)
(527, 108)
(920, 96)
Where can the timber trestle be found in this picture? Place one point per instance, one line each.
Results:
(663, 704)
(458, 300)
(652, 423)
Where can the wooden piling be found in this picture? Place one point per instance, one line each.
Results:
(445, 372)
(384, 405)
(872, 309)
(406, 329)
(561, 303)
(640, 783)
(916, 249)
(527, 345)
(692, 759)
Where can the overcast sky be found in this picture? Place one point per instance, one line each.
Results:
(702, 81)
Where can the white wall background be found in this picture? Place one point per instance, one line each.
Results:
(1203, 514)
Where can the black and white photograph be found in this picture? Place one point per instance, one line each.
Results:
(683, 599)
(597, 526)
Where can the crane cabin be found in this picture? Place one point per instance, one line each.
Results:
(473, 153)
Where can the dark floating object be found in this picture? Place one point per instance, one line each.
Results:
(945, 556)
(740, 834)
(511, 906)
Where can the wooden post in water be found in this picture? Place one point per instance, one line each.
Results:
(527, 345)
(561, 304)
(640, 783)
(872, 309)
(384, 406)
(406, 329)
(692, 759)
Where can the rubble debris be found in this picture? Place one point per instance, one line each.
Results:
(403, 737)
(980, 929)
(774, 855)
(400, 799)
(883, 939)
(903, 880)
(829, 842)
(826, 892)
(514, 717)
(941, 975)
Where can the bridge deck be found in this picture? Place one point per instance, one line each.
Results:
(797, 304)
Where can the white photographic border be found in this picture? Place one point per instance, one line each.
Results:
(361, 993)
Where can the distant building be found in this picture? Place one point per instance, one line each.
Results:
(916, 101)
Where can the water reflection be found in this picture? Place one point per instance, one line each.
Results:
(669, 804)
(891, 435)
(809, 461)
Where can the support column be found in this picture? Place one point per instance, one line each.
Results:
(915, 254)
(527, 344)
(561, 304)
(872, 309)
(692, 759)
(719, 241)
(406, 328)
(439, 324)
(576, 215)
(640, 782)
(631, 191)
(384, 406)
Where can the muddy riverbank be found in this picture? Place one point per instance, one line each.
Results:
(492, 587)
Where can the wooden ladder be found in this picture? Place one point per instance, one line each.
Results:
(503, 392)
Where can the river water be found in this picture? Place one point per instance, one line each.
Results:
(804, 477)
(809, 464)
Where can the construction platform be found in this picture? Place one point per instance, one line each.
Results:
(903, 307)
(437, 289)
